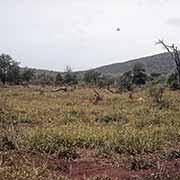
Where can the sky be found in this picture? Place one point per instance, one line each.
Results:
(51, 34)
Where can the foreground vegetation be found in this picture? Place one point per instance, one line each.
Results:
(62, 123)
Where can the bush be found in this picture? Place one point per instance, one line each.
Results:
(59, 79)
(27, 75)
(139, 74)
(156, 93)
(70, 77)
(92, 77)
(125, 82)
(173, 82)
(138, 163)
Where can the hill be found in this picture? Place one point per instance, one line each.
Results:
(160, 63)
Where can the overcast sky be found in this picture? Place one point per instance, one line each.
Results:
(50, 34)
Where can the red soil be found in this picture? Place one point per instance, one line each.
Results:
(89, 166)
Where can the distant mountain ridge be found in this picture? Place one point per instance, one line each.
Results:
(160, 63)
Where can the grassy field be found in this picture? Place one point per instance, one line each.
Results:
(134, 135)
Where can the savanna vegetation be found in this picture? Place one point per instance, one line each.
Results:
(139, 134)
(91, 126)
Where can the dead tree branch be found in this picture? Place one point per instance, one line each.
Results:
(60, 89)
(174, 52)
(42, 91)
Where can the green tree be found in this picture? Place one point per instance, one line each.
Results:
(45, 79)
(125, 81)
(9, 70)
(139, 74)
(27, 75)
(70, 78)
(59, 79)
(92, 77)
(155, 75)
(105, 81)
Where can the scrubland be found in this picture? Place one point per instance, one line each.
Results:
(62, 135)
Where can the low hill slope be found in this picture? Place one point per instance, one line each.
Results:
(161, 63)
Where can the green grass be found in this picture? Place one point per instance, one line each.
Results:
(61, 122)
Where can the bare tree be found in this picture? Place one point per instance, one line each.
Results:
(174, 52)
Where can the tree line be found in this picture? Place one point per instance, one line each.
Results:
(12, 74)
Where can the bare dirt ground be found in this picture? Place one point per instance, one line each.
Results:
(88, 166)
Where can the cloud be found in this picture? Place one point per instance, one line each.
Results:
(174, 21)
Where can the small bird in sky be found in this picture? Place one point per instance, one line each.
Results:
(118, 29)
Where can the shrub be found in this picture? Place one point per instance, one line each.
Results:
(173, 155)
(59, 79)
(139, 74)
(125, 81)
(138, 163)
(156, 93)
(173, 82)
